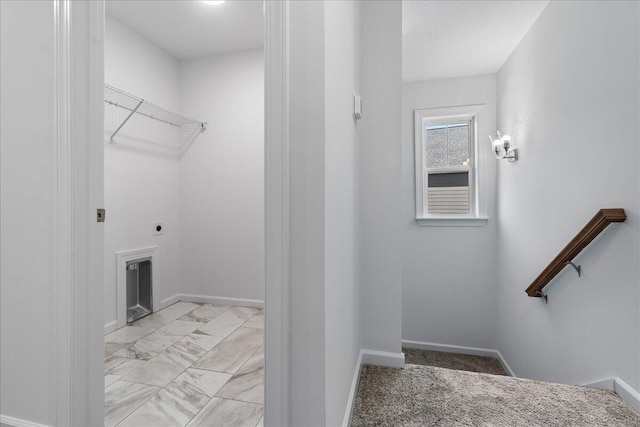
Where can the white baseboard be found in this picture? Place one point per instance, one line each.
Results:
(505, 365)
(110, 327)
(113, 325)
(621, 388)
(202, 299)
(8, 421)
(446, 348)
(382, 358)
(608, 384)
(352, 392)
(626, 393)
(206, 299)
(369, 357)
(167, 302)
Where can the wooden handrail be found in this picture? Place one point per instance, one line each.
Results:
(598, 223)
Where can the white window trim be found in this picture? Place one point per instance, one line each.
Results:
(475, 218)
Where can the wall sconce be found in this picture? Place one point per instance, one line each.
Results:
(502, 144)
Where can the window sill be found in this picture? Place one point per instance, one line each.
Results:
(447, 221)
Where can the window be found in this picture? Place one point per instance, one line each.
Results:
(446, 167)
(447, 148)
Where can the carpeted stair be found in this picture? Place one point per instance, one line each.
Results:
(418, 395)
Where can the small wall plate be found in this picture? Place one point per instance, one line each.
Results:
(158, 228)
(357, 107)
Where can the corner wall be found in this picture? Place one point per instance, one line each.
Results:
(307, 214)
(221, 197)
(448, 273)
(380, 194)
(571, 91)
(342, 212)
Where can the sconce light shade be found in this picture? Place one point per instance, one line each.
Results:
(502, 144)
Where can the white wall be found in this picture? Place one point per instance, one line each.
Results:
(307, 215)
(27, 204)
(345, 191)
(448, 273)
(342, 211)
(380, 194)
(142, 166)
(571, 90)
(222, 177)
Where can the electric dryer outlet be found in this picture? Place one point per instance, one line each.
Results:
(158, 228)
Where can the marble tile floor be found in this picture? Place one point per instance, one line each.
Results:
(187, 365)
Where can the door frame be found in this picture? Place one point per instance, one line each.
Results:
(78, 386)
(277, 212)
(78, 391)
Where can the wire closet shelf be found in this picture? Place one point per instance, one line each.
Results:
(188, 128)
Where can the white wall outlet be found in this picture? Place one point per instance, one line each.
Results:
(158, 228)
(357, 107)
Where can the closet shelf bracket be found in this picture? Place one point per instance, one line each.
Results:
(126, 120)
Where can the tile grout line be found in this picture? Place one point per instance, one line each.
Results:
(199, 410)
(209, 320)
(239, 369)
(241, 401)
(142, 403)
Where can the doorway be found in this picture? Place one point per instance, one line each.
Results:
(184, 188)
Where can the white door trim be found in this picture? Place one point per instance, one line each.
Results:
(79, 366)
(277, 213)
(62, 393)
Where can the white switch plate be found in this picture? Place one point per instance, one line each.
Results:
(158, 228)
(357, 107)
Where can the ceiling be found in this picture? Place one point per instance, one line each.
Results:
(188, 29)
(444, 39)
(440, 39)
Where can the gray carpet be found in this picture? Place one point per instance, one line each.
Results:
(431, 396)
(463, 362)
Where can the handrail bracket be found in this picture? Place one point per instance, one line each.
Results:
(578, 268)
(544, 297)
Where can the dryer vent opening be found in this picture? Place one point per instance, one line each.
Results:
(139, 289)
